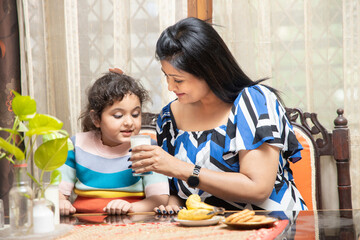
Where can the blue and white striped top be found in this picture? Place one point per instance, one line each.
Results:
(256, 117)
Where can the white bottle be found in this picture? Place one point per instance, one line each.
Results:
(43, 217)
(52, 194)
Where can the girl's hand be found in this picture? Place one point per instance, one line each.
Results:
(118, 207)
(65, 207)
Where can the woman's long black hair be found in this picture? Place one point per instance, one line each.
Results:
(193, 46)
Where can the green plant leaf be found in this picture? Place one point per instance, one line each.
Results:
(23, 106)
(51, 154)
(15, 93)
(9, 130)
(57, 134)
(55, 177)
(19, 155)
(43, 124)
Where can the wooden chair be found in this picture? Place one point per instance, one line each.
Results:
(317, 142)
(148, 124)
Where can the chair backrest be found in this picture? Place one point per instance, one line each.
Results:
(317, 142)
(148, 124)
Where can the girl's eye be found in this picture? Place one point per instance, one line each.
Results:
(178, 81)
(136, 115)
(117, 116)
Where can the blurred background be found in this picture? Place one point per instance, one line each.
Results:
(53, 50)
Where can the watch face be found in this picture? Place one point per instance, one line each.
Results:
(193, 181)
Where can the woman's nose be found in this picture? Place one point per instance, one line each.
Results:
(171, 85)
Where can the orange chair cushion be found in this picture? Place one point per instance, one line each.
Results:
(304, 171)
(150, 132)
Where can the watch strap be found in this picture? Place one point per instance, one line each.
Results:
(196, 170)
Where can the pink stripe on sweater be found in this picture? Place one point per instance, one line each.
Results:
(91, 143)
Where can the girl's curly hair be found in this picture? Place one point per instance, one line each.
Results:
(105, 91)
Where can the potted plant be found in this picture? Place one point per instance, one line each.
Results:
(33, 136)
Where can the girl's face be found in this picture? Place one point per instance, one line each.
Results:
(120, 121)
(187, 87)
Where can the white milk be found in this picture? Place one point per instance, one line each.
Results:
(138, 140)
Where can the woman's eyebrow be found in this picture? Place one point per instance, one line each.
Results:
(172, 75)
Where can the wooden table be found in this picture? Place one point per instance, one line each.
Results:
(326, 224)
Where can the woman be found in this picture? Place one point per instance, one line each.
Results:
(225, 137)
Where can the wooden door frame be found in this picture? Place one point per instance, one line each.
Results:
(201, 9)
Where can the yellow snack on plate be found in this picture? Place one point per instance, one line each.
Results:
(194, 202)
(195, 214)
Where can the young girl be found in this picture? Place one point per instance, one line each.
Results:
(97, 169)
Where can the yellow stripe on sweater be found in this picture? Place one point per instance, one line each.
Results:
(107, 193)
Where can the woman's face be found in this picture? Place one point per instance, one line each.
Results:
(120, 121)
(187, 87)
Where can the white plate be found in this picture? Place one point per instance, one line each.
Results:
(268, 222)
(193, 223)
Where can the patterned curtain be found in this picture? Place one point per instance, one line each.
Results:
(10, 80)
(68, 44)
(310, 49)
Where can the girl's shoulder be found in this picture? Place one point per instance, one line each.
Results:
(83, 137)
(85, 134)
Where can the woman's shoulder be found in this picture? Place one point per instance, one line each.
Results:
(165, 114)
(257, 102)
(256, 90)
(255, 95)
(167, 108)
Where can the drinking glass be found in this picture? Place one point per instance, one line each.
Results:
(138, 140)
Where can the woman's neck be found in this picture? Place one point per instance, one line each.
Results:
(203, 115)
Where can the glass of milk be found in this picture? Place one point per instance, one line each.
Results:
(138, 140)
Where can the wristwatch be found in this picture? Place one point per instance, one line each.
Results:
(193, 181)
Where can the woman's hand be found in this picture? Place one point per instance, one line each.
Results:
(116, 70)
(65, 207)
(118, 206)
(174, 206)
(146, 158)
(169, 209)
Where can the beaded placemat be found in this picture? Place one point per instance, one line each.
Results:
(170, 231)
